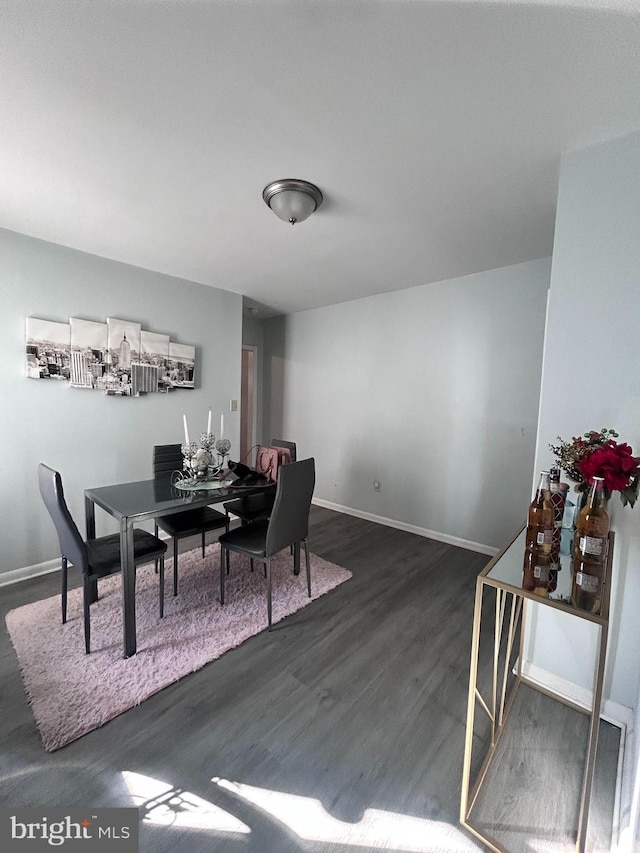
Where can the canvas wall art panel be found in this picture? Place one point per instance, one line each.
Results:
(89, 354)
(182, 362)
(154, 363)
(124, 351)
(48, 349)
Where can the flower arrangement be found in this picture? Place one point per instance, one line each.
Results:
(598, 454)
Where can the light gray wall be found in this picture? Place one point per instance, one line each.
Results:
(591, 379)
(93, 439)
(433, 390)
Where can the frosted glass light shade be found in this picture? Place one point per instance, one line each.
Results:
(292, 200)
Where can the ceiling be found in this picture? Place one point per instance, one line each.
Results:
(145, 130)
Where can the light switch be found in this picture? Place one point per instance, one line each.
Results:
(233, 405)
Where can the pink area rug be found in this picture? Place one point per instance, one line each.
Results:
(72, 693)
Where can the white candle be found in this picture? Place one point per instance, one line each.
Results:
(209, 423)
(221, 426)
(186, 430)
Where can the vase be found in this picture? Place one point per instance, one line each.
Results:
(558, 501)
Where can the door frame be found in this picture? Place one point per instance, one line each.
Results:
(252, 438)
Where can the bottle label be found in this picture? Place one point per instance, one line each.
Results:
(588, 583)
(544, 537)
(540, 572)
(593, 545)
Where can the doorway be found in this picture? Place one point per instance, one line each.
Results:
(248, 402)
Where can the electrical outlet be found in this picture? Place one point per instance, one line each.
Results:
(377, 486)
(233, 405)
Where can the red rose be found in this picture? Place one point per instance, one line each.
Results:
(612, 461)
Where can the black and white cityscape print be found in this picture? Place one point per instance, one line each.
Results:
(89, 354)
(152, 374)
(48, 350)
(118, 357)
(124, 352)
(182, 363)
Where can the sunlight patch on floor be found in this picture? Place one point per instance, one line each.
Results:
(164, 804)
(539, 845)
(378, 829)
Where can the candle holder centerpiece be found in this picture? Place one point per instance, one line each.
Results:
(223, 446)
(198, 459)
(188, 450)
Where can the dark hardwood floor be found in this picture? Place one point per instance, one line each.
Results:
(341, 729)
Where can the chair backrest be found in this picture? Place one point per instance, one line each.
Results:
(71, 542)
(290, 446)
(289, 521)
(167, 458)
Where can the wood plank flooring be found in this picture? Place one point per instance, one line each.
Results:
(357, 703)
(537, 772)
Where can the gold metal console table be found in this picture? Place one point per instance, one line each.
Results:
(512, 603)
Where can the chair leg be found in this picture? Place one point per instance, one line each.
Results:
(175, 567)
(308, 562)
(155, 533)
(296, 558)
(87, 616)
(93, 590)
(251, 562)
(267, 567)
(64, 589)
(161, 561)
(203, 544)
(224, 568)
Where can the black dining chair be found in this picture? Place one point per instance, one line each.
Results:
(288, 525)
(257, 507)
(167, 458)
(95, 558)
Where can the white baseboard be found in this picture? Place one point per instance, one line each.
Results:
(27, 572)
(614, 713)
(409, 528)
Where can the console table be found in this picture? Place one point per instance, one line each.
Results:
(503, 578)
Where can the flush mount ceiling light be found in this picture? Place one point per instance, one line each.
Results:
(292, 200)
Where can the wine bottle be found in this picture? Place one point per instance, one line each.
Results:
(535, 572)
(540, 518)
(592, 530)
(587, 585)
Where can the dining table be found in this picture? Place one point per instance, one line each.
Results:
(143, 500)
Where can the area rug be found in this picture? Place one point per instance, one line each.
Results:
(72, 693)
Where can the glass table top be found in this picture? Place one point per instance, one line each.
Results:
(507, 570)
(149, 497)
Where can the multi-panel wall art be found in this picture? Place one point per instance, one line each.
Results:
(118, 357)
